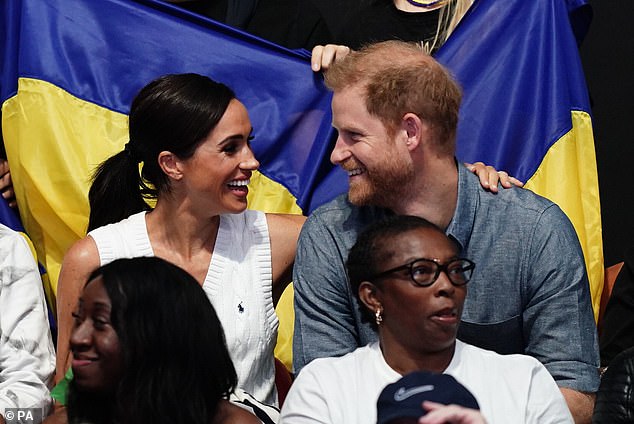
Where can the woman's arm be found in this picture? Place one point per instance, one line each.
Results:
(284, 231)
(80, 260)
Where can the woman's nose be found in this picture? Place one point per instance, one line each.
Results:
(249, 161)
(81, 334)
(443, 284)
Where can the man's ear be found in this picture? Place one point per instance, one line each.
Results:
(170, 164)
(414, 128)
(370, 295)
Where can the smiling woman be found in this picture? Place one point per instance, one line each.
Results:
(134, 363)
(192, 138)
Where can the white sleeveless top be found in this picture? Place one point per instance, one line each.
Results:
(238, 284)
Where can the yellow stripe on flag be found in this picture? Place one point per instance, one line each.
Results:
(563, 168)
(54, 141)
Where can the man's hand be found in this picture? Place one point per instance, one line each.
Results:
(437, 413)
(6, 186)
(324, 56)
(489, 177)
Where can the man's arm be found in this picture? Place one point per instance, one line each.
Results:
(581, 404)
(27, 358)
(559, 325)
(324, 319)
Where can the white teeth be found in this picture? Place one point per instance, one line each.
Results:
(238, 183)
(355, 172)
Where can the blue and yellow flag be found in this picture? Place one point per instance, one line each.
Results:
(70, 68)
(526, 107)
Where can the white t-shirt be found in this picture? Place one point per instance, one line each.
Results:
(508, 388)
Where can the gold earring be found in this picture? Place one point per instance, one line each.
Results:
(378, 315)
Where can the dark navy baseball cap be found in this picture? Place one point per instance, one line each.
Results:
(404, 398)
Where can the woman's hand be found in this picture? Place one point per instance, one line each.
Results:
(437, 413)
(6, 184)
(490, 177)
(324, 56)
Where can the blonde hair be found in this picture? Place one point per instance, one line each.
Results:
(450, 15)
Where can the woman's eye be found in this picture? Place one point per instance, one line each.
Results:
(230, 149)
(422, 270)
(100, 323)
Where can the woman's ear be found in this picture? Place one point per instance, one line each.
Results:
(170, 164)
(370, 295)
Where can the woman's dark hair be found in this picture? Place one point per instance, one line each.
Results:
(176, 364)
(173, 113)
(374, 246)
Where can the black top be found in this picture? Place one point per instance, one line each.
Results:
(617, 327)
(381, 21)
(290, 23)
(615, 398)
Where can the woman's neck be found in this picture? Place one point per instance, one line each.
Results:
(182, 237)
(404, 360)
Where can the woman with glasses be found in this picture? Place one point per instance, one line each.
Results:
(411, 283)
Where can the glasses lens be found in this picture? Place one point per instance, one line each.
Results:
(424, 272)
(460, 271)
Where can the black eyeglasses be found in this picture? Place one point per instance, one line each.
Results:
(425, 272)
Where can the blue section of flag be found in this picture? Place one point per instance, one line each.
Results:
(9, 217)
(517, 61)
(104, 51)
(520, 70)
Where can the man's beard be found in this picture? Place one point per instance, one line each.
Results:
(383, 186)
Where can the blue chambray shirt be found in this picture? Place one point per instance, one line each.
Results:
(529, 292)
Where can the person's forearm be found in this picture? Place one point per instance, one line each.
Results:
(580, 404)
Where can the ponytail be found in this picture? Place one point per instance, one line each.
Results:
(117, 190)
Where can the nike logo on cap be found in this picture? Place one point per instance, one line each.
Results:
(402, 393)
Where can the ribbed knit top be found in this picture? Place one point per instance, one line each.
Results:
(238, 284)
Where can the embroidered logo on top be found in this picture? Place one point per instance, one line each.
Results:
(402, 393)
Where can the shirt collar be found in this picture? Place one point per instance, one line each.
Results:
(461, 225)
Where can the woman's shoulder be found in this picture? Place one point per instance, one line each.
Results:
(285, 225)
(228, 413)
(134, 220)
(83, 251)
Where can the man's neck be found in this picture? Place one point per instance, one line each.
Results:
(434, 192)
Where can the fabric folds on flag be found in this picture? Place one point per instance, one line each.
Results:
(70, 69)
(526, 107)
